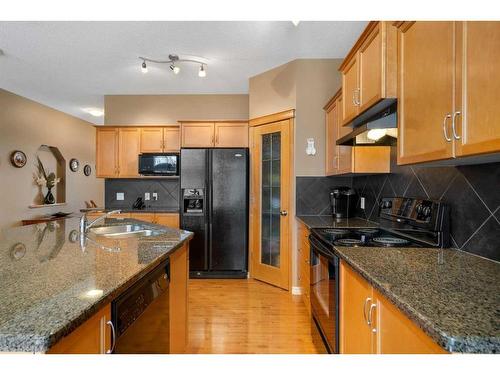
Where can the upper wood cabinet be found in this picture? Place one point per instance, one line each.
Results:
(106, 152)
(348, 159)
(231, 134)
(369, 70)
(448, 90)
(214, 134)
(160, 139)
(369, 323)
(129, 148)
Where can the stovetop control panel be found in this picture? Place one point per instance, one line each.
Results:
(423, 213)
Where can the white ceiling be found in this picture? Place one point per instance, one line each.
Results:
(72, 65)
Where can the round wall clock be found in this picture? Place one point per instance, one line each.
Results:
(18, 159)
(73, 165)
(87, 170)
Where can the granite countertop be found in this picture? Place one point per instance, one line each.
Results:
(131, 210)
(327, 221)
(452, 295)
(51, 283)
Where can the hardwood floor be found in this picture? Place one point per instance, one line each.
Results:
(248, 316)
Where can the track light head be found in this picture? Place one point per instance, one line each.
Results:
(175, 68)
(202, 72)
(144, 67)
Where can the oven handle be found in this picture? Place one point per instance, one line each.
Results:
(320, 248)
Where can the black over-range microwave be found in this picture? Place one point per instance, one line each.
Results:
(159, 164)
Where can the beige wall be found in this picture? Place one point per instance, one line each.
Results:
(168, 109)
(273, 91)
(25, 125)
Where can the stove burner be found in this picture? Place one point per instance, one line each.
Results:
(390, 241)
(338, 232)
(367, 231)
(349, 242)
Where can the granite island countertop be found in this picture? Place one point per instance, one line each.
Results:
(450, 294)
(46, 276)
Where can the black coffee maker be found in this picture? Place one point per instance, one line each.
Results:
(343, 201)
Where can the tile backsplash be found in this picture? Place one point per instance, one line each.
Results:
(472, 191)
(167, 189)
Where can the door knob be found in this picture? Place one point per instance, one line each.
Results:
(283, 212)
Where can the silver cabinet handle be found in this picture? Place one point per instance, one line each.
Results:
(113, 337)
(370, 312)
(453, 128)
(354, 97)
(367, 300)
(445, 132)
(283, 212)
(358, 96)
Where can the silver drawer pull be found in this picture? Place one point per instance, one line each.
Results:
(453, 123)
(370, 318)
(113, 337)
(445, 131)
(367, 300)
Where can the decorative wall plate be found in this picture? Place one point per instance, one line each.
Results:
(87, 170)
(74, 164)
(17, 251)
(18, 159)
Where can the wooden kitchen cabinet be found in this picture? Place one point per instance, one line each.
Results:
(369, 70)
(160, 139)
(167, 219)
(106, 152)
(144, 216)
(129, 148)
(350, 159)
(370, 324)
(197, 134)
(92, 337)
(179, 305)
(448, 90)
(231, 134)
(304, 259)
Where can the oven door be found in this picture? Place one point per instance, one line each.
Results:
(324, 275)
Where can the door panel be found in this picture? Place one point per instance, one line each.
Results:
(426, 76)
(152, 139)
(332, 117)
(270, 191)
(229, 216)
(344, 164)
(197, 134)
(129, 150)
(478, 91)
(171, 139)
(168, 220)
(370, 69)
(198, 252)
(349, 87)
(231, 134)
(107, 153)
(193, 168)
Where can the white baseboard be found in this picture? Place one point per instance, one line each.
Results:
(296, 290)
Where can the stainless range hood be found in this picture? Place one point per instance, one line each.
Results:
(377, 126)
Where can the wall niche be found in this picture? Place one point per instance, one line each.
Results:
(53, 161)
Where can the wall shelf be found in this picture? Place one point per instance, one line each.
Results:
(46, 205)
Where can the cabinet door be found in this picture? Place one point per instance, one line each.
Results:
(426, 75)
(171, 139)
(129, 150)
(370, 69)
(350, 90)
(344, 152)
(168, 220)
(92, 337)
(149, 217)
(197, 134)
(356, 296)
(396, 334)
(229, 134)
(478, 88)
(152, 139)
(332, 118)
(179, 299)
(107, 152)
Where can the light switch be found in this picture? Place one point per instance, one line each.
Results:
(155, 196)
(147, 196)
(362, 203)
(120, 196)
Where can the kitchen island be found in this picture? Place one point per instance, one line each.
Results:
(54, 281)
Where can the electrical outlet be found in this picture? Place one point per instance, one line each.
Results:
(120, 196)
(362, 203)
(147, 196)
(155, 196)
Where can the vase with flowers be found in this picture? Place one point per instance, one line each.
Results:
(48, 180)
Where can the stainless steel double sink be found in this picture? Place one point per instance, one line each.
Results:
(124, 231)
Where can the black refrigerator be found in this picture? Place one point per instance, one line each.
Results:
(214, 205)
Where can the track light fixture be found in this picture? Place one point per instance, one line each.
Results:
(173, 62)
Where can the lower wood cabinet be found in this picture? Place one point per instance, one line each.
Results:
(369, 323)
(304, 259)
(92, 337)
(167, 219)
